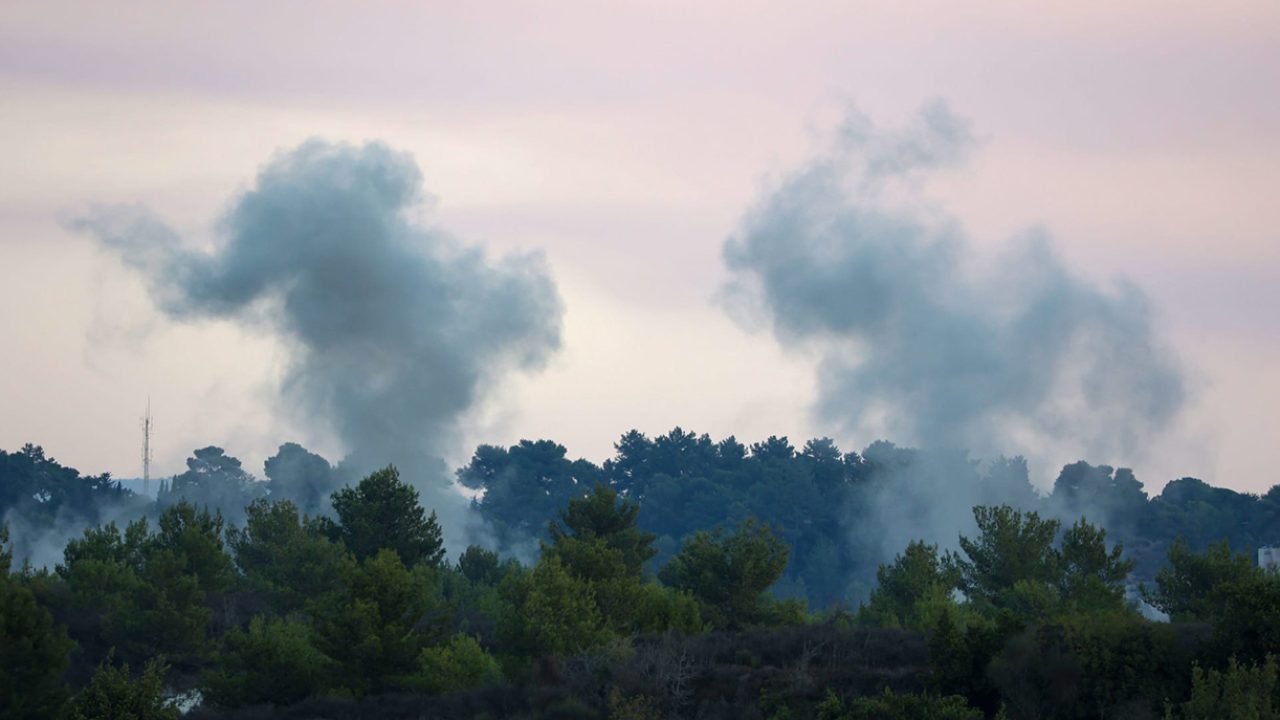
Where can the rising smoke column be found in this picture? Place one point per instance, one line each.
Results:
(923, 338)
(396, 330)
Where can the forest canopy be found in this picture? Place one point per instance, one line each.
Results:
(635, 588)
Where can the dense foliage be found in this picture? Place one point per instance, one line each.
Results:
(681, 578)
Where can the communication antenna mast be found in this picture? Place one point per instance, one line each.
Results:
(146, 450)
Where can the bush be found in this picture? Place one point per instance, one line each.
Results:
(271, 662)
(460, 664)
(889, 705)
(33, 654)
(113, 694)
(1239, 693)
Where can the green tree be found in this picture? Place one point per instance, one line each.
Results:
(1241, 692)
(459, 664)
(1094, 666)
(149, 593)
(1128, 664)
(1012, 562)
(34, 653)
(37, 491)
(961, 648)
(525, 485)
(910, 592)
(604, 517)
(193, 540)
(889, 705)
(548, 611)
(213, 479)
(382, 511)
(103, 572)
(184, 566)
(654, 608)
(286, 557)
(1113, 494)
(1248, 625)
(471, 589)
(376, 628)
(6, 550)
(272, 661)
(300, 476)
(1189, 586)
(729, 573)
(1092, 578)
(597, 542)
(480, 566)
(114, 694)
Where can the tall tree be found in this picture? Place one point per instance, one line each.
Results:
(597, 541)
(549, 611)
(526, 485)
(383, 511)
(1092, 577)
(907, 587)
(376, 628)
(286, 556)
(271, 661)
(1189, 587)
(1240, 692)
(34, 653)
(114, 694)
(148, 593)
(1012, 556)
(603, 517)
(213, 479)
(6, 552)
(300, 476)
(729, 572)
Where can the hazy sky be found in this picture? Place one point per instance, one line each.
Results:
(626, 140)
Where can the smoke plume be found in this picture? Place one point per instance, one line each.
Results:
(925, 340)
(395, 329)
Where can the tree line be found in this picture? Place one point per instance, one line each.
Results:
(355, 610)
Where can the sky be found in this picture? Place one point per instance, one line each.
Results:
(625, 141)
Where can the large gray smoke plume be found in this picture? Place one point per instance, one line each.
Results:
(929, 342)
(395, 329)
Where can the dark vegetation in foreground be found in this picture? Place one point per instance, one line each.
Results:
(338, 600)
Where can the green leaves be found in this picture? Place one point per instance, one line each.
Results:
(378, 625)
(1241, 692)
(729, 573)
(889, 705)
(1011, 547)
(549, 611)
(1092, 578)
(460, 664)
(382, 511)
(1187, 588)
(148, 592)
(910, 590)
(213, 479)
(602, 516)
(33, 655)
(114, 694)
(283, 556)
(272, 661)
(6, 551)
(1013, 565)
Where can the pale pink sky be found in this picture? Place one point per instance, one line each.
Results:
(625, 139)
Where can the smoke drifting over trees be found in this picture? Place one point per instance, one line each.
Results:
(671, 576)
(396, 330)
(923, 341)
(642, 571)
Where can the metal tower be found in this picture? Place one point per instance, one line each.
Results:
(146, 451)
